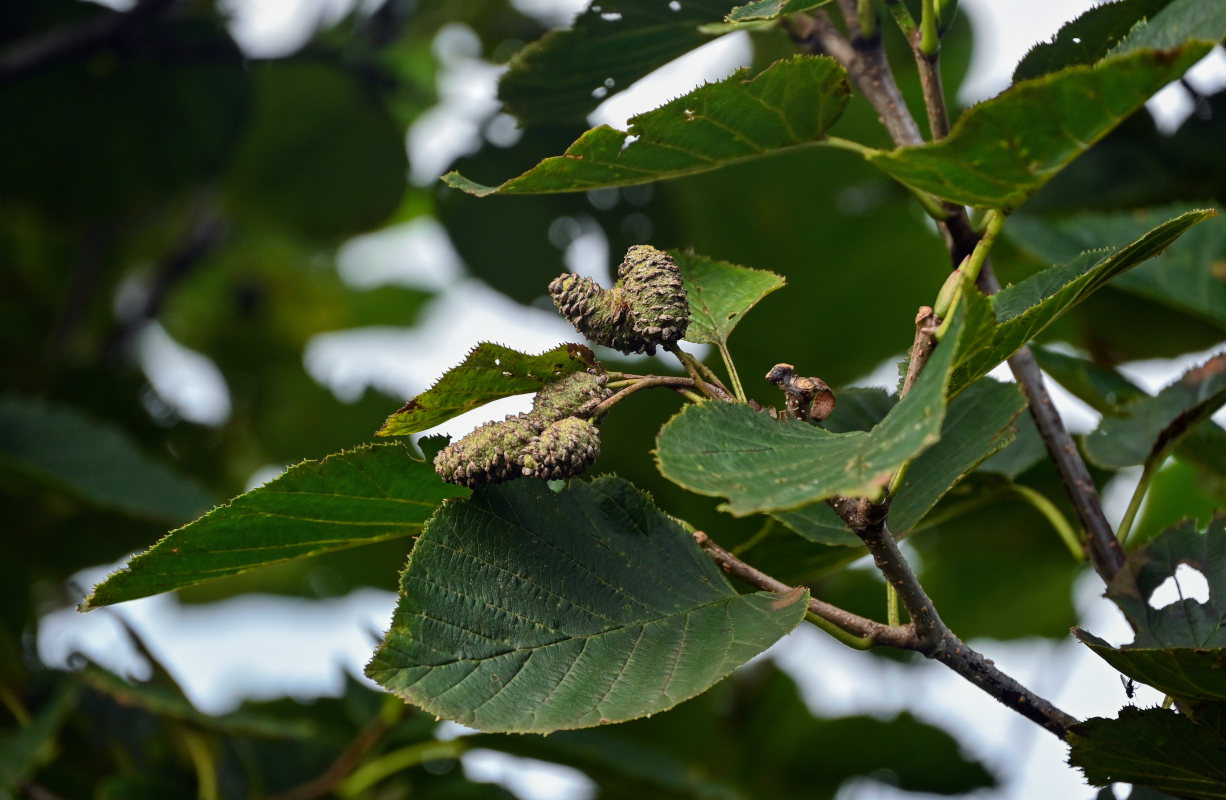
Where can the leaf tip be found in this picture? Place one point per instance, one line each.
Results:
(457, 181)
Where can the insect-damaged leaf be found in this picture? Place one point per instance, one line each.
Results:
(490, 372)
(790, 104)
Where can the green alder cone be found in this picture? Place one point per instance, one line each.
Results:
(563, 450)
(490, 454)
(646, 309)
(576, 395)
(658, 302)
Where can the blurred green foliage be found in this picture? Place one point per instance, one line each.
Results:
(153, 173)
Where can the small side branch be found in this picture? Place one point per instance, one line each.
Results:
(675, 382)
(867, 67)
(935, 639)
(901, 636)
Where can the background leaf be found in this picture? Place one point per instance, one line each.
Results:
(1147, 425)
(93, 460)
(771, 9)
(788, 105)
(1086, 39)
(365, 495)
(978, 423)
(566, 73)
(529, 610)
(489, 372)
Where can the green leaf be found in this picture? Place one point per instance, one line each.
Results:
(365, 495)
(1179, 672)
(321, 155)
(818, 523)
(978, 423)
(1100, 387)
(489, 372)
(753, 737)
(1023, 310)
(1086, 39)
(93, 460)
(720, 293)
(1149, 425)
(1180, 22)
(771, 9)
(529, 610)
(1002, 151)
(1154, 747)
(789, 105)
(1180, 648)
(566, 73)
(764, 464)
(26, 748)
(1189, 276)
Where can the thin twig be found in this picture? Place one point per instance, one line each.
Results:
(902, 636)
(648, 381)
(925, 634)
(65, 44)
(921, 349)
(867, 67)
(344, 764)
(937, 641)
(208, 232)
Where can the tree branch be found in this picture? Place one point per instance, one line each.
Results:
(935, 639)
(65, 44)
(648, 381)
(901, 636)
(867, 67)
(1103, 548)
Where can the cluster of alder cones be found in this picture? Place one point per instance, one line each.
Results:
(647, 308)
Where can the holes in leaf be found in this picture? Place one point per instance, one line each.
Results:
(689, 115)
(600, 92)
(629, 140)
(1076, 40)
(673, 5)
(1188, 583)
(610, 16)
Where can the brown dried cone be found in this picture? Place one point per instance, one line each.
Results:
(576, 395)
(659, 307)
(489, 454)
(564, 449)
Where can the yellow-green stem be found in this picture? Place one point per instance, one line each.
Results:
(737, 389)
(892, 616)
(930, 39)
(866, 14)
(995, 220)
(366, 776)
(902, 17)
(202, 762)
(1057, 520)
(1138, 496)
(849, 639)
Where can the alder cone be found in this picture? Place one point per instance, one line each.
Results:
(648, 307)
(563, 450)
(659, 306)
(490, 454)
(576, 395)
